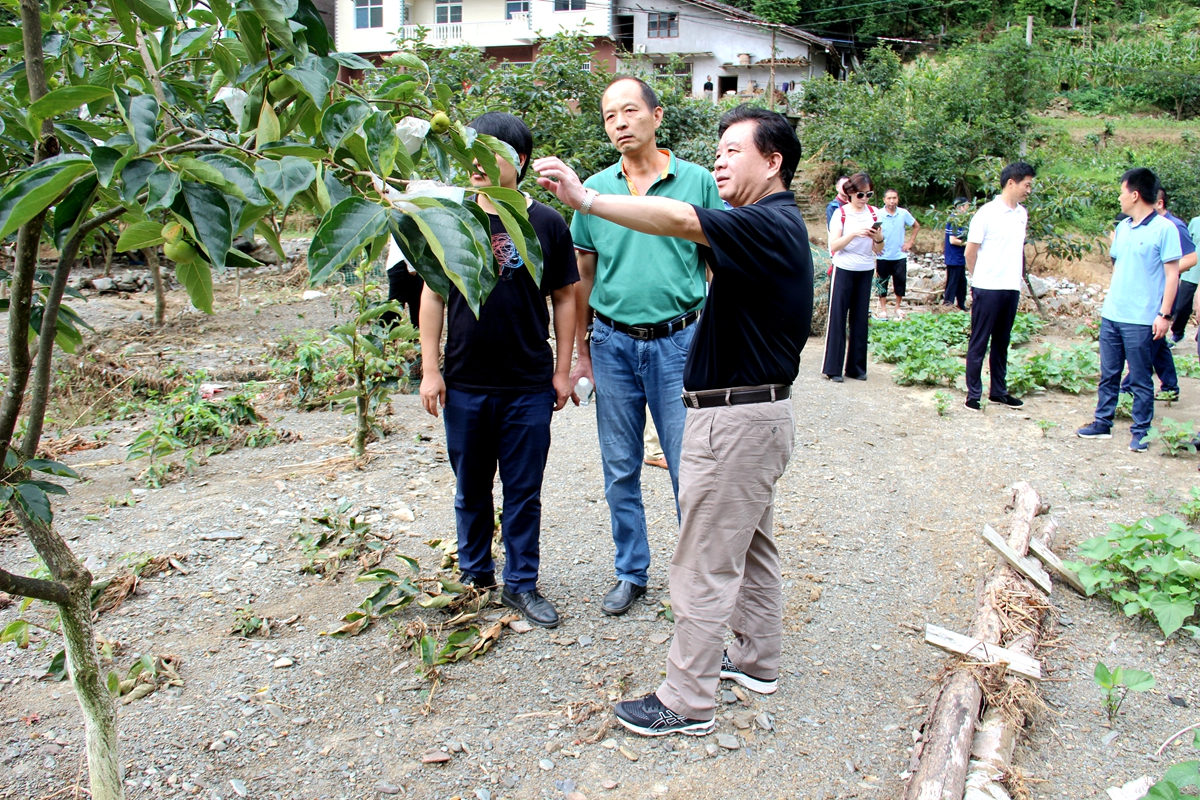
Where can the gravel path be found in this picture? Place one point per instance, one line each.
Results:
(878, 520)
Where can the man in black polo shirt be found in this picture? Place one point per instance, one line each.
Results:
(739, 429)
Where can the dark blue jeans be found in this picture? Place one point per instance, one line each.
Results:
(512, 430)
(956, 287)
(1122, 342)
(1164, 367)
(992, 314)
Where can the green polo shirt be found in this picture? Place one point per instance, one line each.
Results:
(643, 279)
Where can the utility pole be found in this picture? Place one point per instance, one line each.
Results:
(1028, 44)
(1029, 31)
(771, 86)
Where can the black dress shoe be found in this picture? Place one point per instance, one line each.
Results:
(1006, 400)
(620, 598)
(484, 580)
(536, 608)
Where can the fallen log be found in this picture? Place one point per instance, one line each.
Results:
(941, 758)
(995, 740)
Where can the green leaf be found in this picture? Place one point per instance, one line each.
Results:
(316, 35)
(139, 235)
(133, 178)
(314, 83)
(35, 188)
(272, 13)
(141, 118)
(342, 119)
(1097, 548)
(346, 229)
(105, 160)
(382, 142)
(417, 252)
(16, 631)
(113, 681)
(351, 61)
(63, 99)
(191, 41)
(51, 468)
(411, 562)
(267, 232)
(436, 601)
(1163, 790)
(521, 231)
(268, 124)
(403, 59)
(427, 648)
(1138, 680)
(157, 12)
(1184, 774)
(500, 148)
(57, 668)
(162, 186)
(285, 178)
(71, 210)
(32, 498)
(196, 278)
(214, 227)
(222, 9)
(464, 249)
(1102, 676)
(1170, 612)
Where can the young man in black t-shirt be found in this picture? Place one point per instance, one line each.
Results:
(502, 382)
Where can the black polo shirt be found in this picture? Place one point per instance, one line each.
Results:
(759, 308)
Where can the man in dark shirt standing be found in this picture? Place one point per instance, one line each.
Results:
(501, 385)
(956, 256)
(739, 430)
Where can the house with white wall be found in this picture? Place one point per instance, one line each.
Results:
(692, 39)
(696, 39)
(506, 29)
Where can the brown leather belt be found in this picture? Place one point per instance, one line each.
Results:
(739, 396)
(645, 333)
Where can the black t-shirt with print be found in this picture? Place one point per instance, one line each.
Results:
(507, 349)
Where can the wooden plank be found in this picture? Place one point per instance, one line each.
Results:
(1048, 557)
(1028, 567)
(982, 651)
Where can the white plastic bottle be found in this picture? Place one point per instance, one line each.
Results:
(583, 390)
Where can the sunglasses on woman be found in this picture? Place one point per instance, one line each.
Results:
(861, 195)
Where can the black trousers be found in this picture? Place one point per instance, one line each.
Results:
(992, 314)
(405, 287)
(846, 333)
(1184, 296)
(956, 287)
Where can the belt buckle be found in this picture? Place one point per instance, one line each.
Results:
(691, 400)
(641, 334)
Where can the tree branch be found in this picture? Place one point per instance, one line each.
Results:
(155, 80)
(40, 395)
(21, 586)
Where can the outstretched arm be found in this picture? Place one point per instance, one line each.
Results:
(659, 216)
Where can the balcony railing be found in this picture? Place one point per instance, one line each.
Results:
(518, 30)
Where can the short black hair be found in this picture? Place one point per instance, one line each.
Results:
(1016, 171)
(858, 182)
(891, 191)
(510, 130)
(772, 134)
(1162, 195)
(648, 94)
(1142, 181)
(958, 201)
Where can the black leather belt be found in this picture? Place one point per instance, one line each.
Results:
(645, 333)
(740, 396)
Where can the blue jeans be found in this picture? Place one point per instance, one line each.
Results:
(1164, 367)
(512, 430)
(631, 375)
(1122, 342)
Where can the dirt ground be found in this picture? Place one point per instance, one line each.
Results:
(878, 521)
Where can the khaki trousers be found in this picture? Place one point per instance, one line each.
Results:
(725, 570)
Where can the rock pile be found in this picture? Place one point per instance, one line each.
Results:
(927, 282)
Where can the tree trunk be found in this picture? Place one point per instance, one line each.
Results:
(160, 297)
(99, 710)
(360, 409)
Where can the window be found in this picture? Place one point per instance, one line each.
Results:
(368, 13)
(447, 11)
(624, 32)
(662, 25)
(680, 71)
(570, 5)
(515, 7)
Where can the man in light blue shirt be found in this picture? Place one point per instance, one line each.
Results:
(1137, 309)
(893, 261)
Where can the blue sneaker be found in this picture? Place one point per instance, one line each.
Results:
(1137, 445)
(1094, 431)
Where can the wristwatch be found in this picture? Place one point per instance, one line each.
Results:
(1167, 317)
(590, 196)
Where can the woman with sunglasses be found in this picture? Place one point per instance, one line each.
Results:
(855, 240)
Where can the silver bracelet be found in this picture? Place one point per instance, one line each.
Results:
(586, 206)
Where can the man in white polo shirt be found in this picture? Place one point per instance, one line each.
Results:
(1137, 309)
(996, 260)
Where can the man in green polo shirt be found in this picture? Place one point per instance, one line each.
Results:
(646, 292)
